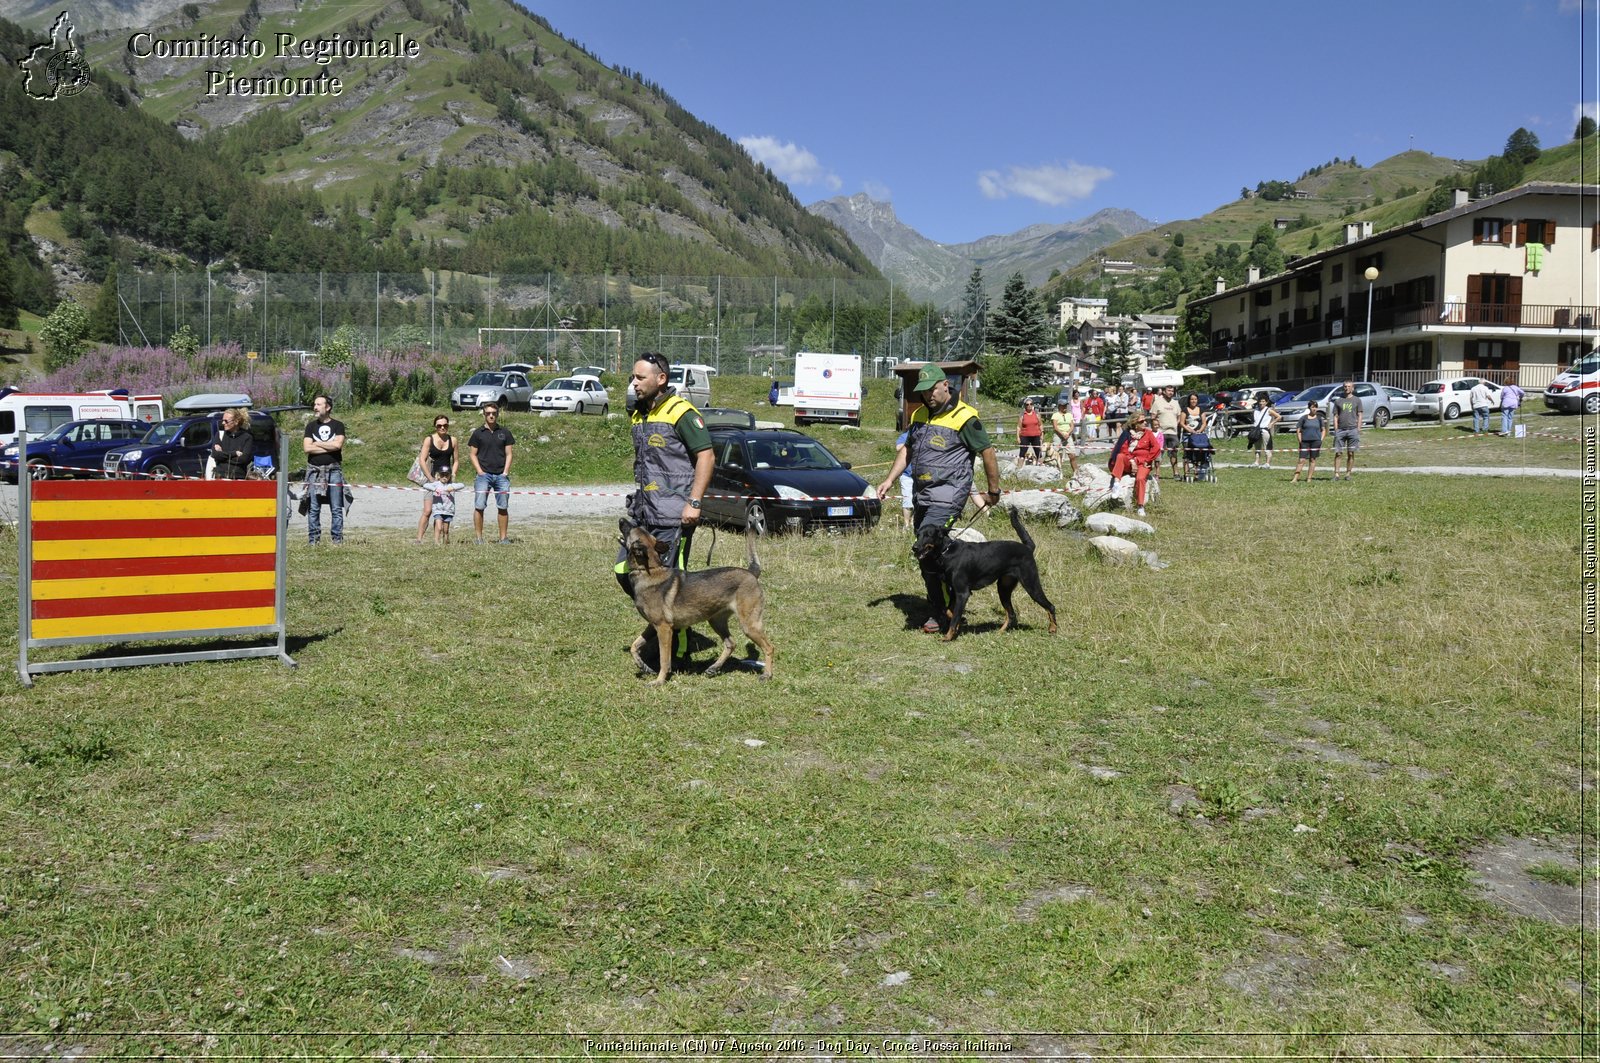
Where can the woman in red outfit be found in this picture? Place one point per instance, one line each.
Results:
(1137, 457)
(1029, 430)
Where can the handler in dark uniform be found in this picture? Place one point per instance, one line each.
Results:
(944, 438)
(672, 462)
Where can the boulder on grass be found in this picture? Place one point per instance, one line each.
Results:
(1038, 474)
(1114, 550)
(1039, 505)
(1113, 524)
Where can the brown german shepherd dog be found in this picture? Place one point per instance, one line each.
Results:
(670, 599)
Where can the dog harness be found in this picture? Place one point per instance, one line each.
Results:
(942, 461)
(662, 465)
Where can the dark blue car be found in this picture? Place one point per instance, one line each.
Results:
(779, 480)
(75, 448)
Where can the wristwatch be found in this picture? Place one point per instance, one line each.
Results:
(694, 503)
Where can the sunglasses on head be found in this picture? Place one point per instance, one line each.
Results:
(657, 360)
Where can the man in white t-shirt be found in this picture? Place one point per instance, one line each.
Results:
(1482, 399)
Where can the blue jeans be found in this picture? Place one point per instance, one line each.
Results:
(1480, 418)
(325, 485)
(1506, 417)
(485, 482)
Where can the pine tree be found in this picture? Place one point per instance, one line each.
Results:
(1522, 146)
(969, 331)
(1116, 356)
(105, 322)
(1019, 327)
(1585, 128)
(8, 296)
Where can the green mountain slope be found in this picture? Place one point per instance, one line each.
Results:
(495, 147)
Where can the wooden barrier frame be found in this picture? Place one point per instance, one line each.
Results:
(196, 570)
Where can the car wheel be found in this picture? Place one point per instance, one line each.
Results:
(160, 472)
(38, 469)
(1380, 417)
(755, 518)
(1591, 404)
(1451, 412)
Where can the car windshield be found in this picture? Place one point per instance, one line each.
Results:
(1397, 393)
(164, 432)
(1432, 387)
(1320, 392)
(1589, 363)
(563, 385)
(491, 379)
(674, 376)
(791, 454)
(55, 433)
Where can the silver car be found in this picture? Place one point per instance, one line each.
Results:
(1376, 408)
(1402, 403)
(508, 390)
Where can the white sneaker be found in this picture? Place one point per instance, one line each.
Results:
(1140, 511)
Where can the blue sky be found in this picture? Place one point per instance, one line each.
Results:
(982, 118)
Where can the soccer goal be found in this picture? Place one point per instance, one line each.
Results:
(566, 347)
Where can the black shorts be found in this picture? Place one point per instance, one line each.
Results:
(1311, 451)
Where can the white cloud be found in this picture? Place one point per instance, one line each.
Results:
(793, 164)
(1591, 108)
(1050, 184)
(877, 190)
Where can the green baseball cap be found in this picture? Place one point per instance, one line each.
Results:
(929, 376)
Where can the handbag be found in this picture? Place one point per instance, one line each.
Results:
(416, 475)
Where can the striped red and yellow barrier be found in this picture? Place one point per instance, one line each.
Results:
(116, 558)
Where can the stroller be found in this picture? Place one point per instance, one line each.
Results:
(1199, 458)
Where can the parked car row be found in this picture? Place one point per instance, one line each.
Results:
(117, 448)
(509, 388)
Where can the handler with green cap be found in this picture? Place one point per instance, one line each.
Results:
(944, 437)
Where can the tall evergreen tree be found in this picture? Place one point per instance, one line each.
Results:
(1522, 146)
(104, 322)
(1116, 356)
(1019, 327)
(969, 331)
(8, 296)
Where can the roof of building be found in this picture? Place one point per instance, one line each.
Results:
(1315, 260)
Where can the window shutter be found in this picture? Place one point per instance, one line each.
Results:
(1513, 314)
(1550, 232)
(1513, 358)
(1475, 289)
(1522, 233)
(1477, 233)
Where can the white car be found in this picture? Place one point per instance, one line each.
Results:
(1453, 396)
(572, 395)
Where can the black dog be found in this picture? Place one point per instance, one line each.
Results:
(969, 567)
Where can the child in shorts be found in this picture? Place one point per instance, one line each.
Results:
(444, 509)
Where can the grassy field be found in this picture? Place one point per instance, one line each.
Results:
(1232, 808)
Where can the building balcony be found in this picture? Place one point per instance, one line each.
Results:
(1497, 318)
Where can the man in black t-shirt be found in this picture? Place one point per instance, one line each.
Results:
(324, 447)
(491, 447)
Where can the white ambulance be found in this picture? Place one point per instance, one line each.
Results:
(37, 412)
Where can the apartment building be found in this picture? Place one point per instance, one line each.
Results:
(1073, 311)
(1503, 287)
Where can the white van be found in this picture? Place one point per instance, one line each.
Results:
(827, 387)
(1577, 389)
(691, 382)
(38, 412)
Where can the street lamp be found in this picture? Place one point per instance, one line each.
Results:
(1366, 360)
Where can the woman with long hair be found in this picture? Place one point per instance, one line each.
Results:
(439, 459)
